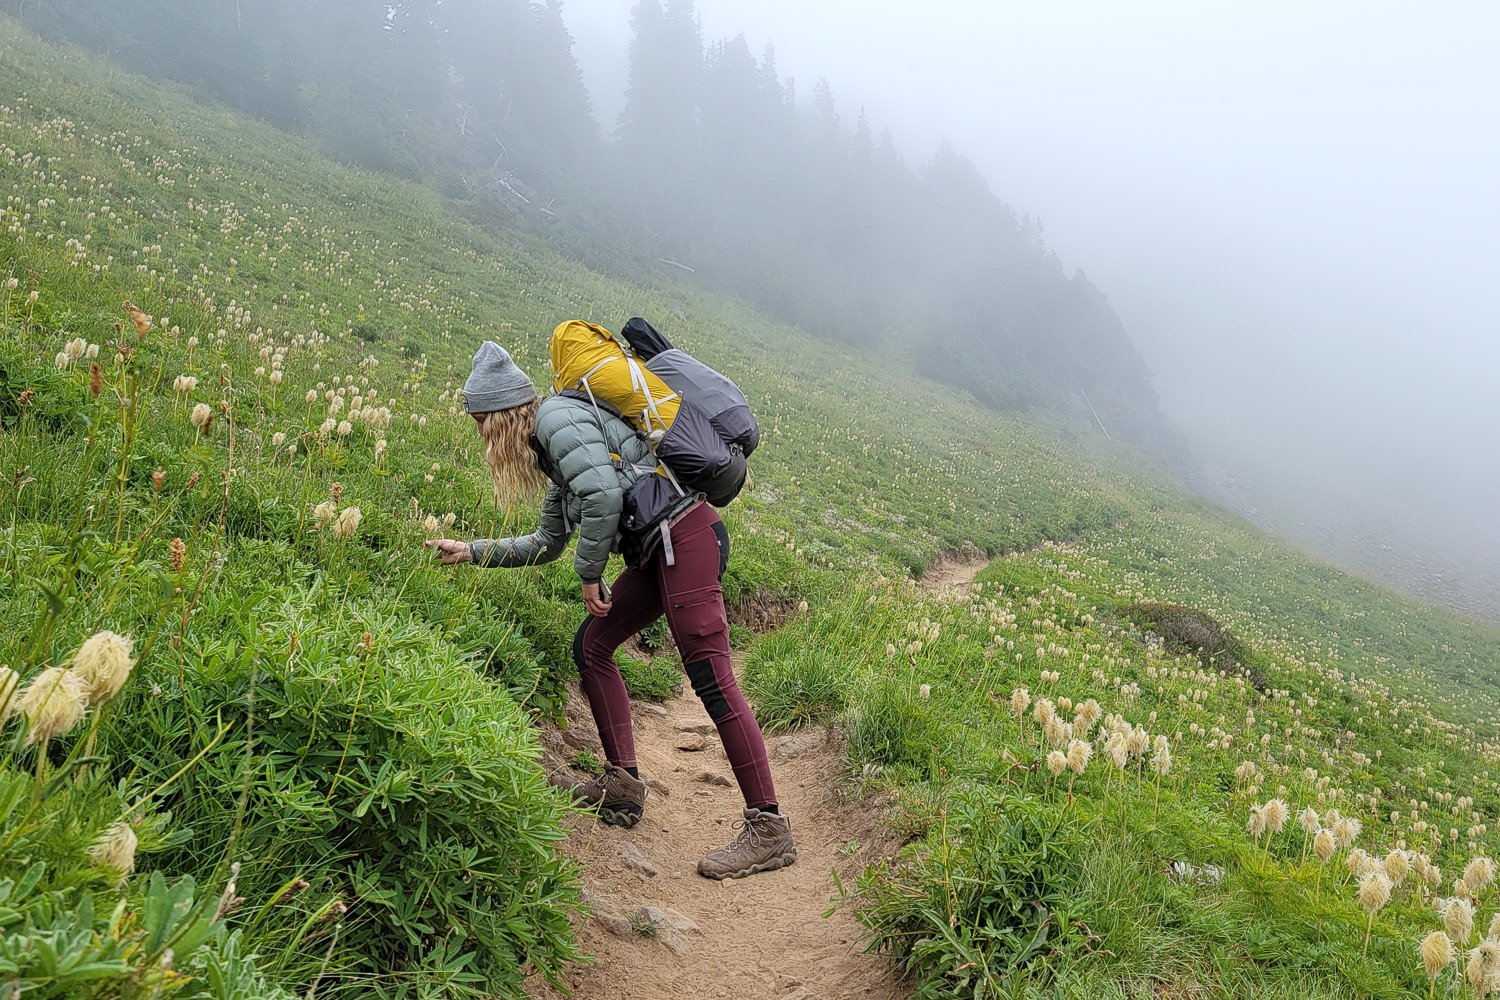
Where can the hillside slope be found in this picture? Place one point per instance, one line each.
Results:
(327, 726)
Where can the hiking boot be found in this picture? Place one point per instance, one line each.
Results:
(617, 797)
(764, 844)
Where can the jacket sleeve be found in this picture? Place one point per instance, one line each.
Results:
(541, 546)
(575, 441)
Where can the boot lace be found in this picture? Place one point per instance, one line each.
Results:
(750, 833)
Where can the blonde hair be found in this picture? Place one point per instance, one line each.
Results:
(507, 451)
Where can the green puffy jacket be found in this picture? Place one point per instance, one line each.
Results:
(587, 490)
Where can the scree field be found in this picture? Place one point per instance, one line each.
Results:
(1149, 752)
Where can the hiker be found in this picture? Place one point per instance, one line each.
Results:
(566, 443)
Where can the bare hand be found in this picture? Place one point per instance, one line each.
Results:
(450, 550)
(594, 600)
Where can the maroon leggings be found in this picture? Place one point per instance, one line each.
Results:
(691, 595)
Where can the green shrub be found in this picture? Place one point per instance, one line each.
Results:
(369, 759)
(987, 892)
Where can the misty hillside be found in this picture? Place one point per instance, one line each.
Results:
(719, 167)
(228, 423)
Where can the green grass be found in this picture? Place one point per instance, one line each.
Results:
(336, 706)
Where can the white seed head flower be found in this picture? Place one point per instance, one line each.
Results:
(115, 849)
(1483, 970)
(1255, 824)
(1276, 814)
(1057, 762)
(1493, 934)
(1397, 864)
(1020, 700)
(1458, 920)
(432, 529)
(104, 664)
(1437, 954)
(1479, 874)
(1043, 711)
(52, 703)
(325, 512)
(201, 415)
(1347, 830)
(1308, 820)
(1116, 750)
(347, 523)
(344, 428)
(1374, 891)
(1079, 752)
(276, 377)
(1356, 861)
(277, 439)
(1324, 844)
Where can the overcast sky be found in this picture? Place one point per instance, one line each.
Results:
(1292, 205)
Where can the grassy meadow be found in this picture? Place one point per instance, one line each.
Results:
(291, 754)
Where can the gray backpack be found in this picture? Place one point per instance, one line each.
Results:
(708, 391)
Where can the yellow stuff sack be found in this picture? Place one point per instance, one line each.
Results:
(587, 358)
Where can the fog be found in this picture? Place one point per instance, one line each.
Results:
(1291, 206)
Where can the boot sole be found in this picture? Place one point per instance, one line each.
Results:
(784, 861)
(620, 817)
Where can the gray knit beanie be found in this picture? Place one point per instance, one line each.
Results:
(496, 383)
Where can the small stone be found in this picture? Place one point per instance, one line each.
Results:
(712, 778)
(607, 914)
(701, 728)
(580, 738)
(667, 926)
(633, 858)
(651, 708)
(799, 743)
(659, 787)
(692, 742)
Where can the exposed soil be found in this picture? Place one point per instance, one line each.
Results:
(762, 937)
(951, 576)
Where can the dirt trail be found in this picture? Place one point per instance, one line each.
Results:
(762, 937)
(951, 577)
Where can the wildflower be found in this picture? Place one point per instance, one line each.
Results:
(1079, 752)
(1437, 953)
(1479, 874)
(1324, 844)
(52, 704)
(380, 447)
(103, 663)
(1255, 825)
(1374, 891)
(1043, 712)
(116, 849)
(62, 360)
(184, 383)
(449, 518)
(141, 320)
(1161, 755)
(276, 377)
(277, 439)
(325, 513)
(201, 417)
(924, 691)
(1397, 864)
(1117, 751)
(1347, 830)
(1458, 920)
(1493, 934)
(1057, 762)
(432, 532)
(1020, 700)
(177, 551)
(1356, 862)
(1308, 820)
(158, 479)
(312, 396)
(1276, 814)
(1483, 969)
(336, 491)
(347, 522)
